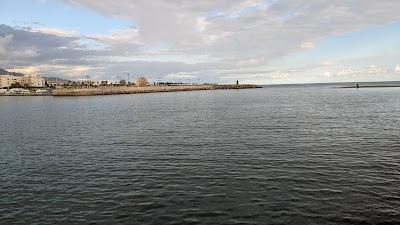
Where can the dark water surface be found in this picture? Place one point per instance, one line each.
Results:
(278, 155)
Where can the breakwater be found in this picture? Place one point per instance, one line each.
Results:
(115, 90)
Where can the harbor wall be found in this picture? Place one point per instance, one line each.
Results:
(113, 90)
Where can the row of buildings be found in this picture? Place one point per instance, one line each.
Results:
(33, 81)
(8, 81)
(141, 82)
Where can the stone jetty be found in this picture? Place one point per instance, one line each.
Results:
(115, 90)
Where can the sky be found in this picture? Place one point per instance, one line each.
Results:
(253, 41)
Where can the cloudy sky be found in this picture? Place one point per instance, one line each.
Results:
(256, 41)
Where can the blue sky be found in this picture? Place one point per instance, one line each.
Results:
(370, 41)
(251, 40)
(54, 13)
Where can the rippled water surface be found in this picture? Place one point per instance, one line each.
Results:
(277, 155)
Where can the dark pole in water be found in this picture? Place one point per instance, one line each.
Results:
(357, 86)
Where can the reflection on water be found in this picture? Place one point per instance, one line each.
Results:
(278, 155)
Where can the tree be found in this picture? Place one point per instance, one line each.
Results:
(16, 85)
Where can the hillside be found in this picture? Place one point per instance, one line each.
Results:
(5, 72)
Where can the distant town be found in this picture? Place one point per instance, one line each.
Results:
(18, 84)
(12, 83)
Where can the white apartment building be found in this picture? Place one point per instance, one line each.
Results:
(7, 80)
(33, 81)
(30, 80)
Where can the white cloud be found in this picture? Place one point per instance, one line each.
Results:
(261, 77)
(6, 40)
(27, 53)
(397, 68)
(57, 32)
(118, 37)
(63, 70)
(364, 71)
(225, 34)
(307, 45)
(250, 62)
(201, 24)
(181, 75)
(280, 75)
(5, 51)
(327, 63)
(241, 30)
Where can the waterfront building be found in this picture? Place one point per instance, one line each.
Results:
(89, 83)
(105, 83)
(30, 80)
(142, 81)
(53, 83)
(33, 81)
(7, 80)
(4, 81)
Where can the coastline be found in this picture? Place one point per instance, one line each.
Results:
(372, 86)
(27, 95)
(117, 90)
